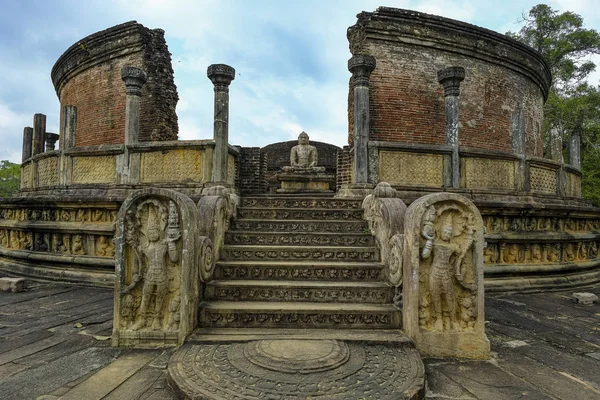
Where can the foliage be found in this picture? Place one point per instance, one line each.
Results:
(573, 105)
(10, 178)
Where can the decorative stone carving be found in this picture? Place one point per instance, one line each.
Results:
(384, 212)
(443, 277)
(156, 291)
(217, 206)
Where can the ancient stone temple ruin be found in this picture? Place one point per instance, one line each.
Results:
(271, 269)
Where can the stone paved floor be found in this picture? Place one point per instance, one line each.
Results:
(54, 343)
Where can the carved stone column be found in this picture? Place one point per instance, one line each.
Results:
(451, 78)
(134, 79)
(51, 139)
(27, 142)
(575, 150)
(221, 76)
(361, 66)
(39, 132)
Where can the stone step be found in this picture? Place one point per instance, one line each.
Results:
(289, 202)
(220, 335)
(318, 214)
(299, 238)
(319, 291)
(299, 270)
(300, 253)
(294, 226)
(234, 314)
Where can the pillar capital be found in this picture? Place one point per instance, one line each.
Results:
(220, 75)
(361, 66)
(51, 139)
(451, 78)
(134, 79)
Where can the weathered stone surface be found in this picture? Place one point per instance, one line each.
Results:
(385, 213)
(156, 292)
(12, 284)
(443, 277)
(584, 298)
(297, 369)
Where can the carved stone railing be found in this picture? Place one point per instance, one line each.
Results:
(384, 212)
(217, 206)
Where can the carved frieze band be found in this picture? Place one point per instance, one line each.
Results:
(354, 255)
(95, 215)
(58, 243)
(304, 214)
(295, 203)
(340, 273)
(300, 226)
(308, 239)
(498, 224)
(303, 294)
(539, 253)
(368, 319)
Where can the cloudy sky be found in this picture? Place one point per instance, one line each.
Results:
(290, 57)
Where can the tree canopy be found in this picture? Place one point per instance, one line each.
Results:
(573, 105)
(10, 178)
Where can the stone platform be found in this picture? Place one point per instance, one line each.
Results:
(297, 369)
(296, 182)
(55, 344)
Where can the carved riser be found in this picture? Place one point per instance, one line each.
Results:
(262, 202)
(299, 239)
(300, 319)
(310, 214)
(302, 254)
(304, 294)
(299, 273)
(299, 226)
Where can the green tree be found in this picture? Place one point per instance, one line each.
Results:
(573, 105)
(10, 178)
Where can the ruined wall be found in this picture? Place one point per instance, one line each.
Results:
(88, 76)
(505, 86)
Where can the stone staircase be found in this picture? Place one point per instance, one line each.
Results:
(298, 263)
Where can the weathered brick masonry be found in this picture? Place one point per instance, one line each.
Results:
(505, 82)
(88, 76)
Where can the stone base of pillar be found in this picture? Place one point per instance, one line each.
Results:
(355, 190)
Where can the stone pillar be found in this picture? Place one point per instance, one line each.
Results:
(39, 132)
(221, 76)
(69, 126)
(555, 145)
(134, 79)
(51, 139)
(27, 142)
(575, 150)
(361, 66)
(451, 78)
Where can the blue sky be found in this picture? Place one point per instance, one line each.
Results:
(290, 57)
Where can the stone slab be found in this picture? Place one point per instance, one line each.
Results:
(108, 378)
(12, 285)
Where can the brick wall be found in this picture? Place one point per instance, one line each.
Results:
(88, 76)
(407, 102)
(252, 171)
(344, 167)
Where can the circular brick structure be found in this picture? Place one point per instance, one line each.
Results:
(504, 90)
(88, 76)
